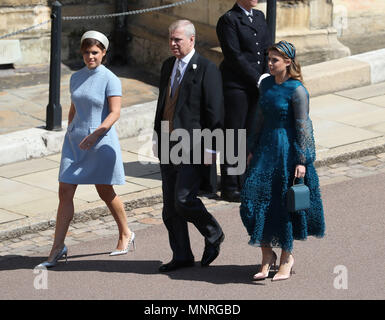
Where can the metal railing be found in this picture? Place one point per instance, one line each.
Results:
(101, 16)
(139, 11)
(54, 110)
(11, 34)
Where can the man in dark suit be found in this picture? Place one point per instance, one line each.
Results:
(244, 39)
(190, 97)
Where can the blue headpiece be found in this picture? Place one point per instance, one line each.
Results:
(287, 48)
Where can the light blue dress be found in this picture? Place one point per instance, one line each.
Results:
(282, 138)
(102, 164)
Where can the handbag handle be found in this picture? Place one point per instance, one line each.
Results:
(296, 178)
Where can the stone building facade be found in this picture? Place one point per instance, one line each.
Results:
(35, 44)
(306, 23)
(360, 24)
(321, 29)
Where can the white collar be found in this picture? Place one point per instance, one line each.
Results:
(186, 59)
(248, 13)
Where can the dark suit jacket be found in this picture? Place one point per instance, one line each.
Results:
(200, 99)
(244, 46)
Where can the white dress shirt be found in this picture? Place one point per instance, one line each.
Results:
(184, 62)
(248, 13)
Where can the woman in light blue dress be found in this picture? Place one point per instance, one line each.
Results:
(282, 147)
(91, 152)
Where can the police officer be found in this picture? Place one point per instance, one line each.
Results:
(244, 39)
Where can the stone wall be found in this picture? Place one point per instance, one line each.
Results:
(21, 3)
(321, 29)
(149, 32)
(360, 24)
(73, 30)
(35, 44)
(306, 23)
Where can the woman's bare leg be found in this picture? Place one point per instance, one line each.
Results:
(113, 202)
(268, 259)
(65, 213)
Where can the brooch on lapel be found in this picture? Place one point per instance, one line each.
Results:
(194, 66)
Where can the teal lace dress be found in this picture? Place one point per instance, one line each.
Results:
(282, 138)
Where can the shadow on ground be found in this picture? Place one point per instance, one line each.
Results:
(222, 274)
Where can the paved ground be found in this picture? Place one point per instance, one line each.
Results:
(350, 135)
(347, 124)
(345, 264)
(142, 217)
(349, 116)
(24, 94)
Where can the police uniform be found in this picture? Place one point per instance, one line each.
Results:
(244, 44)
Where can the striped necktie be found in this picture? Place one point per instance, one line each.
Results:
(177, 77)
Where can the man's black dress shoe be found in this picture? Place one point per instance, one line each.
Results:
(231, 196)
(207, 194)
(174, 265)
(211, 251)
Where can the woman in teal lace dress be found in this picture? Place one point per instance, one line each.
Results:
(282, 147)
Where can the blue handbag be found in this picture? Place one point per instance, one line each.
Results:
(298, 197)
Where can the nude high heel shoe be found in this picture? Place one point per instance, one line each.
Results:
(263, 276)
(280, 277)
(125, 251)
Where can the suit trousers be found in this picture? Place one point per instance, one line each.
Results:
(180, 185)
(240, 108)
(209, 178)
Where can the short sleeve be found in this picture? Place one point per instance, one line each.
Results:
(114, 86)
(304, 140)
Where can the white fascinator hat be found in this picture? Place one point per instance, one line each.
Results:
(97, 36)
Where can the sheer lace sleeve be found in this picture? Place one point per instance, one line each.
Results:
(304, 141)
(256, 127)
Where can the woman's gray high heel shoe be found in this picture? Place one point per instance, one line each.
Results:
(49, 264)
(124, 251)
